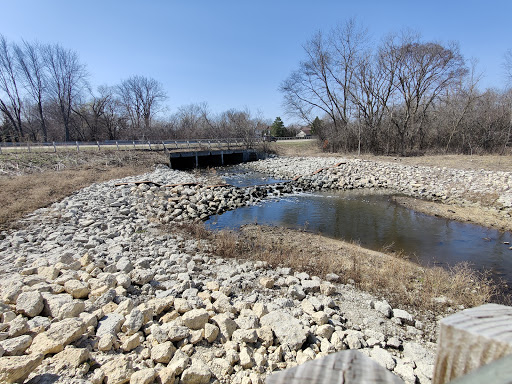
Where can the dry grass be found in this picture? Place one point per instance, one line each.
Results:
(402, 283)
(32, 181)
(467, 162)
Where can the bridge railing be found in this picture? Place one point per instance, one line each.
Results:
(125, 145)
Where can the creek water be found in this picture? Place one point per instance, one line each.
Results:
(375, 221)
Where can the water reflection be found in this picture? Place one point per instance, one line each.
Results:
(375, 221)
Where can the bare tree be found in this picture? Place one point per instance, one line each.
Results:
(67, 79)
(11, 104)
(32, 70)
(421, 71)
(140, 97)
(323, 82)
(507, 66)
(370, 92)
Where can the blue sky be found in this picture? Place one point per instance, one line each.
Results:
(234, 54)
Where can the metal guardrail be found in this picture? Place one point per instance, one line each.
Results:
(166, 145)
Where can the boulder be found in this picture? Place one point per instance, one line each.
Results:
(17, 368)
(58, 336)
(133, 322)
(77, 289)
(54, 303)
(404, 316)
(163, 353)
(72, 357)
(179, 362)
(383, 357)
(267, 282)
(144, 376)
(141, 276)
(197, 373)
(29, 303)
(195, 318)
(226, 326)
(16, 346)
(211, 332)
(110, 324)
(288, 330)
(118, 370)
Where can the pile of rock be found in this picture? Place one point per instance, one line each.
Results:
(198, 319)
(433, 183)
(91, 292)
(184, 202)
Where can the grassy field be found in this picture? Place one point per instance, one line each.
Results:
(487, 162)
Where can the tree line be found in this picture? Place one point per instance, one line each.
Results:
(402, 96)
(45, 95)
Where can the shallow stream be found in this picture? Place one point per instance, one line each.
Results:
(374, 221)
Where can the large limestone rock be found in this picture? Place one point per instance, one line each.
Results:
(133, 322)
(58, 336)
(196, 318)
(197, 373)
(288, 330)
(72, 357)
(17, 368)
(77, 289)
(53, 304)
(163, 353)
(226, 326)
(110, 324)
(144, 376)
(29, 303)
(16, 346)
(117, 370)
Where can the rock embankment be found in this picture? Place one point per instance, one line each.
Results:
(91, 292)
(488, 189)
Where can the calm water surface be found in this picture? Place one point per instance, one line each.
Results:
(375, 221)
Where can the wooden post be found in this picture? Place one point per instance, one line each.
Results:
(347, 367)
(472, 338)
(149, 144)
(77, 147)
(28, 146)
(98, 145)
(133, 144)
(497, 372)
(54, 147)
(117, 145)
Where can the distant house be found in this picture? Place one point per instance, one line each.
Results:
(304, 132)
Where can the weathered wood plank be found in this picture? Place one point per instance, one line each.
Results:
(497, 372)
(345, 367)
(472, 338)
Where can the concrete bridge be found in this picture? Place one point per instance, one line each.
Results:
(198, 159)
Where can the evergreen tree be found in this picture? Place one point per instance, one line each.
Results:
(316, 126)
(277, 129)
